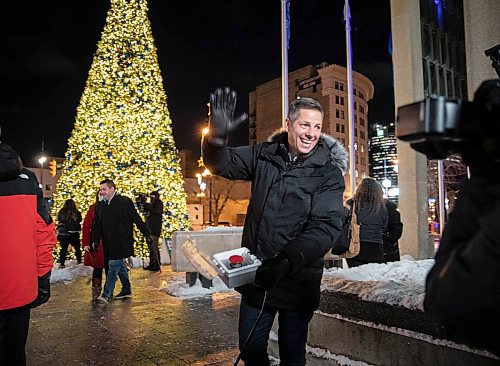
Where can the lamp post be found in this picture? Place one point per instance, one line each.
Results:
(386, 183)
(41, 161)
(206, 173)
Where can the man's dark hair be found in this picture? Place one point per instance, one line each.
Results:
(108, 182)
(303, 103)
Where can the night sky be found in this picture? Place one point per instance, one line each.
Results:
(48, 48)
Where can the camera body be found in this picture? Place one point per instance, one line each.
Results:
(438, 127)
(141, 200)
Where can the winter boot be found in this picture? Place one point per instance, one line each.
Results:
(96, 288)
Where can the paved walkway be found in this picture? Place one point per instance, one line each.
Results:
(151, 328)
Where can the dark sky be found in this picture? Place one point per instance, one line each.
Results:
(48, 48)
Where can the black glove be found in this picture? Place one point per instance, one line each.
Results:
(271, 271)
(94, 246)
(43, 290)
(222, 121)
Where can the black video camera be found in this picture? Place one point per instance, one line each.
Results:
(438, 127)
(140, 201)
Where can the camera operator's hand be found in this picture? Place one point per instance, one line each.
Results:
(222, 120)
(43, 290)
(271, 271)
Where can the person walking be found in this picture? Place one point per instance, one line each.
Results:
(293, 217)
(154, 213)
(94, 256)
(113, 223)
(69, 226)
(373, 218)
(27, 238)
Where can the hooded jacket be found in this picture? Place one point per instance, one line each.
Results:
(295, 208)
(27, 233)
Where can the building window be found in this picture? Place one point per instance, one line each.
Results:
(362, 148)
(342, 115)
(361, 95)
(339, 100)
(363, 161)
(362, 121)
(337, 85)
(342, 128)
(362, 109)
(339, 114)
(355, 132)
(337, 127)
(362, 134)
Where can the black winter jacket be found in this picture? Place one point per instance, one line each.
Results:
(394, 229)
(295, 208)
(154, 217)
(372, 224)
(113, 224)
(463, 287)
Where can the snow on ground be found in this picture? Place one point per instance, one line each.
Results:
(398, 283)
(183, 290)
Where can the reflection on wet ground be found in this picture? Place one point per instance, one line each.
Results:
(151, 328)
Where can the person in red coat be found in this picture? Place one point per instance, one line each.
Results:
(27, 238)
(94, 257)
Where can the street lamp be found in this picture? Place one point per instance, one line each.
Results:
(386, 183)
(41, 161)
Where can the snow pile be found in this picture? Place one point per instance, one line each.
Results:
(398, 283)
(183, 290)
(69, 273)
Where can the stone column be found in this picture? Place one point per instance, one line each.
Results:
(482, 31)
(409, 88)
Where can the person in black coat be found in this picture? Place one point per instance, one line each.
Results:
(392, 233)
(463, 287)
(293, 217)
(113, 223)
(154, 213)
(372, 217)
(70, 219)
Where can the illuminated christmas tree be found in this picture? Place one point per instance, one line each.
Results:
(123, 129)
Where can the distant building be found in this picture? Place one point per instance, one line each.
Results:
(326, 83)
(384, 159)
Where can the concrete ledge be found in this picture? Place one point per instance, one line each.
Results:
(348, 329)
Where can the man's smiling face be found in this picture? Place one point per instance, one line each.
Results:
(304, 132)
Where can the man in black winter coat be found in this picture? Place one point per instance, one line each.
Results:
(293, 217)
(113, 223)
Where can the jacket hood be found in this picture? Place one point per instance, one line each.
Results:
(10, 164)
(338, 154)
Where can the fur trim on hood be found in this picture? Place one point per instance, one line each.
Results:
(338, 154)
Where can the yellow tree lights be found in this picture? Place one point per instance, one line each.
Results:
(123, 129)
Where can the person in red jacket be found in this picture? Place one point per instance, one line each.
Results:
(94, 257)
(27, 238)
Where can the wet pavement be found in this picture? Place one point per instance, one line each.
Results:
(151, 328)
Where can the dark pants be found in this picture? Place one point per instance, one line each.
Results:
(14, 325)
(97, 273)
(64, 241)
(154, 252)
(369, 252)
(292, 335)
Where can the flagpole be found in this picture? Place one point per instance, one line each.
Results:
(284, 61)
(350, 104)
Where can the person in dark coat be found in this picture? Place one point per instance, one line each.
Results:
(94, 256)
(293, 217)
(373, 218)
(154, 213)
(463, 286)
(392, 233)
(113, 223)
(27, 238)
(70, 218)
